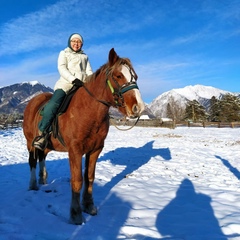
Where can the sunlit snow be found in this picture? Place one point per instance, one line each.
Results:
(151, 183)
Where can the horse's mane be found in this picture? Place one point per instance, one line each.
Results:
(106, 69)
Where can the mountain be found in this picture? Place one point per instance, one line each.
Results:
(14, 98)
(180, 97)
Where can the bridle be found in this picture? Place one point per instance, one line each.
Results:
(120, 90)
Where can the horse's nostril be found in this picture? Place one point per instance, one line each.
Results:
(135, 108)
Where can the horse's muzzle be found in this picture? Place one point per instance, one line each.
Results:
(137, 110)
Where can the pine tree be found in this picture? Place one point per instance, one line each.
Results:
(214, 110)
(230, 108)
(195, 112)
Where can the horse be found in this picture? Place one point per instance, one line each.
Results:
(84, 127)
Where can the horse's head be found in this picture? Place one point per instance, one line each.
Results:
(122, 80)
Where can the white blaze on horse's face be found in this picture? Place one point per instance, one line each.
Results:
(137, 108)
(127, 74)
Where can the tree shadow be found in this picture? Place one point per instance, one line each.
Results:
(189, 216)
(230, 167)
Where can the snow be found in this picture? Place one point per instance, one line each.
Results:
(199, 91)
(33, 83)
(144, 117)
(151, 183)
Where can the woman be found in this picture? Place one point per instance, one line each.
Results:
(74, 67)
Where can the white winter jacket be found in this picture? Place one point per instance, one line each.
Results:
(72, 65)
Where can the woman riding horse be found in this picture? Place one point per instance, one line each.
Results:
(84, 127)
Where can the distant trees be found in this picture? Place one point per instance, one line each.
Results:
(214, 110)
(226, 109)
(174, 111)
(195, 112)
(10, 118)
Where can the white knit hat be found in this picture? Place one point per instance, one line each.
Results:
(76, 35)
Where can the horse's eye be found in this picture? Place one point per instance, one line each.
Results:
(119, 76)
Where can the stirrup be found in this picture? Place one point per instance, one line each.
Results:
(39, 145)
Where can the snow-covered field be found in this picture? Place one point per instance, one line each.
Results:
(151, 183)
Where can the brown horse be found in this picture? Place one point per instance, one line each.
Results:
(84, 127)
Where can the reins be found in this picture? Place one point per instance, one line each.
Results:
(126, 129)
(99, 100)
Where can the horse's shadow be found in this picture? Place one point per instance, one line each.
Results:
(133, 158)
(115, 209)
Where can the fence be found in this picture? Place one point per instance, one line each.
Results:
(210, 124)
(10, 125)
(172, 124)
(151, 123)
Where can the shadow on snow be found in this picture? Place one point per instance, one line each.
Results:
(232, 169)
(188, 216)
(113, 210)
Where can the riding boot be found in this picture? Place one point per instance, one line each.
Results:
(40, 142)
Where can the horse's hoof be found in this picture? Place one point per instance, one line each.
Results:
(76, 218)
(90, 209)
(33, 186)
(42, 181)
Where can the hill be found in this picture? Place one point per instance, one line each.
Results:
(14, 98)
(180, 97)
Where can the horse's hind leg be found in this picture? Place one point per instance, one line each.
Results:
(32, 160)
(42, 168)
(33, 157)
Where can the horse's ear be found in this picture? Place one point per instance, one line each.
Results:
(112, 57)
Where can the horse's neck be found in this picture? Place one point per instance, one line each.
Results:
(96, 96)
(99, 89)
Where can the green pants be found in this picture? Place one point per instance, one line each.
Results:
(50, 110)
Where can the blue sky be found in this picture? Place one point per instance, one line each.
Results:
(171, 43)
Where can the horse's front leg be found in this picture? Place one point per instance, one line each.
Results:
(32, 160)
(75, 161)
(89, 176)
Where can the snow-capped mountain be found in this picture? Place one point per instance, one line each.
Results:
(180, 97)
(14, 98)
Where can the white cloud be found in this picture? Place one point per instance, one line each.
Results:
(51, 26)
(42, 69)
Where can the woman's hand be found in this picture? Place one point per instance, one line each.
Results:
(77, 82)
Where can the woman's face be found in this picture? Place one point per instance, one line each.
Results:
(76, 44)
